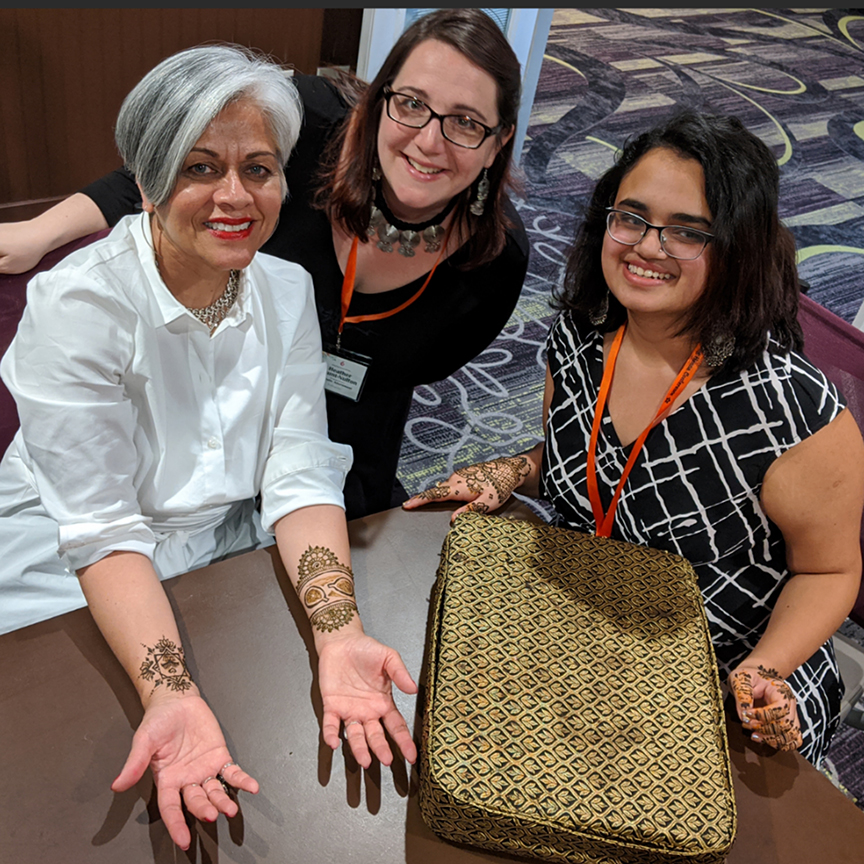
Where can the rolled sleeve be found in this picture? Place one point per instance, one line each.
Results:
(85, 543)
(302, 476)
(303, 466)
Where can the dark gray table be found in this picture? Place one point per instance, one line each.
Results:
(67, 712)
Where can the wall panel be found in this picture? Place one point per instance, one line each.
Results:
(65, 73)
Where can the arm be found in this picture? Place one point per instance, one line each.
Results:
(302, 504)
(814, 494)
(487, 486)
(22, 244)
(355, 671)
(65, 370)
(179, 738)
(100, 205)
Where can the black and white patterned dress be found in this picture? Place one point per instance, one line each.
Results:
(694, 491)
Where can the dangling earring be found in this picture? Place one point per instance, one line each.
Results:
(376, 174)
(482, 194)
(598, 316)
(719, 350)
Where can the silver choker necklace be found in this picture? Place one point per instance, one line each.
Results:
(214, 314)
(391, 230)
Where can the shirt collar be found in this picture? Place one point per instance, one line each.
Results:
(168, 306)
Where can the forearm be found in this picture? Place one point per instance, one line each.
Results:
(314, 547)
(808, 611)
(23, 244)
(74, 217)
(130, 608)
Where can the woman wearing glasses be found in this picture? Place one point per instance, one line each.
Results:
(675, 382)
(398, 209)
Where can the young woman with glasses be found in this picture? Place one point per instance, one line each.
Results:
(398, 208)
(681, 415)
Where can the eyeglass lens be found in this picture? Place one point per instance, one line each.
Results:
(675, 240)
(412, 112)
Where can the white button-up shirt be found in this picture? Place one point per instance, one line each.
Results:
(136, 424)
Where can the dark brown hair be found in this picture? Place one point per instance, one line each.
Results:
(752, 286)
(348, 191)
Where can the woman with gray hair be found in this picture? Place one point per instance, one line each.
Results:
(163, 386)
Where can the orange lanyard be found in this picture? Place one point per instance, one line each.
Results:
(603, 520)
(348, 288)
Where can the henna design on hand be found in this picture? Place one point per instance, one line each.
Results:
(742, 688)
(773, 676)
(326, 588)
(166, 664)
(477, 507)
(773, 724)
(503, 474)
(435, 493)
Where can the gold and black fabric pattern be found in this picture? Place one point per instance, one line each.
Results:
(573, 708)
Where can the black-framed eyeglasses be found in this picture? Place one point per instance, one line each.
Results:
(459, 129)
(676, 241)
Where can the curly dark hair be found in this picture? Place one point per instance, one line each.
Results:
(347, 191)
(752, 286)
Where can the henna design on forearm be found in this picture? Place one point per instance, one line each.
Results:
(326, 589)
(503, 474)
(166, 665)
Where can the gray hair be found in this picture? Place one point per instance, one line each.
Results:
(173, 104)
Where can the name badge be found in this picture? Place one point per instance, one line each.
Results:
(346, 372)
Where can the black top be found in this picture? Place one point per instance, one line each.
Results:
(456, 317)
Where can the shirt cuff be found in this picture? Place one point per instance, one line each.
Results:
(85, 543)
(302, 476)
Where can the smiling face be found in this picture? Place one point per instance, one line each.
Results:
(421, 169)
(225, 203)
(663, 188)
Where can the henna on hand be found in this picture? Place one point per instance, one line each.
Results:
(504, 475)
(772, 724)
(742, 688)
(326, 589)
(434, 493)
(166, 666)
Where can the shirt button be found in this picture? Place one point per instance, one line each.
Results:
(213, 444)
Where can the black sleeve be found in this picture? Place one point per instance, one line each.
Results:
(115, 194)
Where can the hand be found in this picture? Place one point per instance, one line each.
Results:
(21, 247)
(486, 486)
(355, 675)
(180, 739)
(766, 706)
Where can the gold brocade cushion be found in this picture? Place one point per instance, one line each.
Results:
(573, 709)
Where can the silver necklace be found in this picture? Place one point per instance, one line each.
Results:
(214, 314)
(391, 230)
